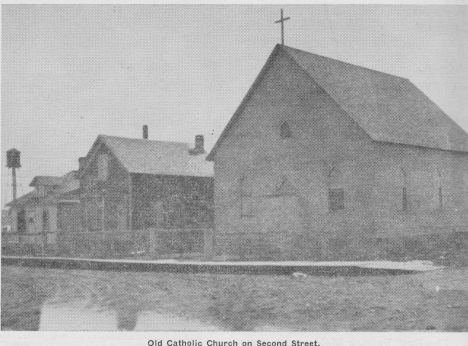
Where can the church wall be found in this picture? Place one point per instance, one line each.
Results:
(429, 210)
(297, 223)
(323, 137)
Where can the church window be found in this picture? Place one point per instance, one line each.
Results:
(438, 186)
(404, 199)
(336, 199)
(246, 198)
(103, 166)
(45, 220)
(404, 196)
(285, 131)
(336, 195)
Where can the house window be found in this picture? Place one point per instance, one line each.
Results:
(336, 199)
(40, 190)
(246, 198)
(194, 189)
(103, 166)
(21, 220)
(45, 220)
(285, 131)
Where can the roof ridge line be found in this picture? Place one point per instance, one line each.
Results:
(344, 62)
(142, 139)
(328, 93)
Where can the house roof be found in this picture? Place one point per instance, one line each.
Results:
(47, 180)
(67, 184)
(154, 157)
(388, 108)
(22, 200)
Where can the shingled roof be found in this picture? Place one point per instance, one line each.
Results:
(63, 185)
(388, 108)
(155, 157)
(48, 180)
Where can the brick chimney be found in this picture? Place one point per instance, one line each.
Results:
(145, 131)
(199, 146)
(81, 162)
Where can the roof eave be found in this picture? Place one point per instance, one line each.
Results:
(240, 108)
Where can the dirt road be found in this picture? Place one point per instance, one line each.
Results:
(435, 300)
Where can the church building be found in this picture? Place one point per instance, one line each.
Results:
(328, 160)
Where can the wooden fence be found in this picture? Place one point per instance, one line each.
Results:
(151, 243)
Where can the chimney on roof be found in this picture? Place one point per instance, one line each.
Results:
(145, 131)
(199, 146)
(81, 162)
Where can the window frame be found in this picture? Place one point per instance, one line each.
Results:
(336, 199)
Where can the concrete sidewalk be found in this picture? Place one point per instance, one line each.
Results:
(267, 268)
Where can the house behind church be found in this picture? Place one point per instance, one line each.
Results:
(328, 160)
(140, 195)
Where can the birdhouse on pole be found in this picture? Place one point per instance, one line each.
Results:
(13, 158)
(13, 162)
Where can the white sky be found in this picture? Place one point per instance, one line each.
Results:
(71, 72)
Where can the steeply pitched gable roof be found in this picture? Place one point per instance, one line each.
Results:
(388, 108)
(155, 157)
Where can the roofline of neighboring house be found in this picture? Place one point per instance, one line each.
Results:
(33, 182)
(100, 140)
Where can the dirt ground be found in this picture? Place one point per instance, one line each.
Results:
(433, 301)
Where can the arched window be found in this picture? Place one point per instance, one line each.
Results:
(438, 187)
(245, 198)
(285, 131)
(336, 196)
(404, 184)
(45, 220)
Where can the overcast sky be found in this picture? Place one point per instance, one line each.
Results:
(71, 72)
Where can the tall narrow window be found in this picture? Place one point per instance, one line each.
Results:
(45, 220)
(336, 195)
(438, 186)
(404, 183)
(336, 199)
(246, 198)
(21, 220)
(103, 166)
(404, 199)
(285, 131)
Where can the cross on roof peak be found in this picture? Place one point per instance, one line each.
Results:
(282, 20)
